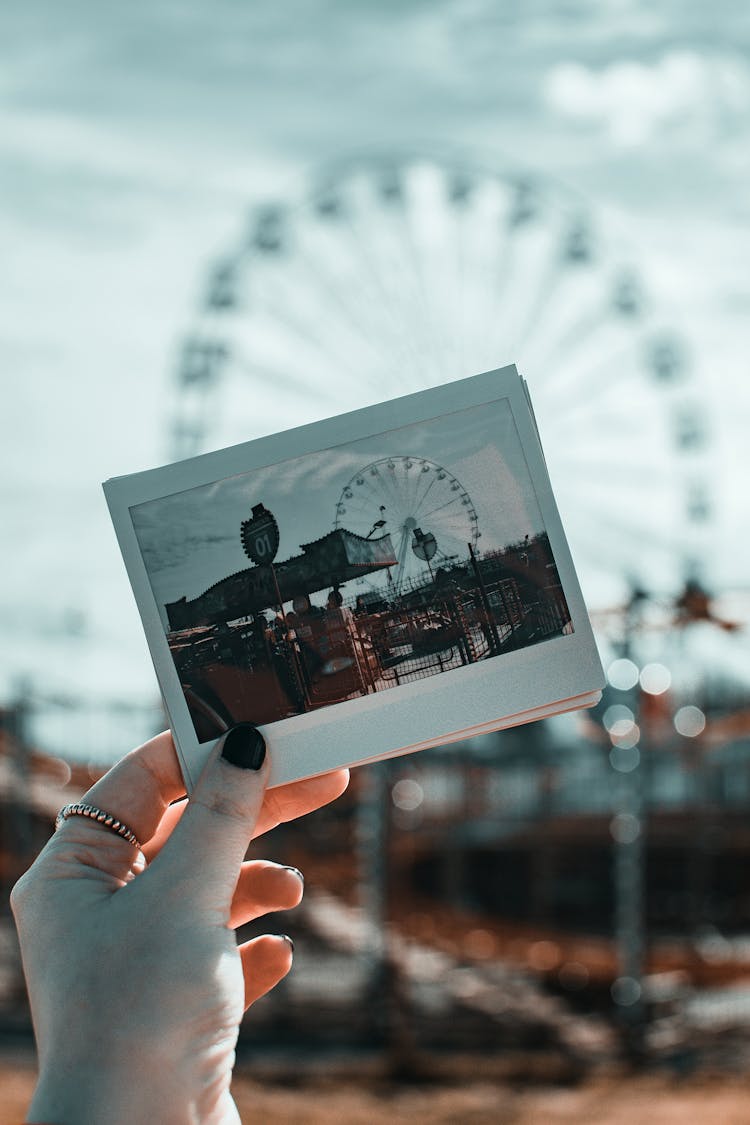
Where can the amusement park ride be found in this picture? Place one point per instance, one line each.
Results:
(399, 495)
(392, 272)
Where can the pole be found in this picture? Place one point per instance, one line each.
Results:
(628, 831)
(493, 638)
(372, 810)
(292, 647)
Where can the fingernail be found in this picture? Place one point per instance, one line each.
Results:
(297, 872)
(288, 940)
(244, 747)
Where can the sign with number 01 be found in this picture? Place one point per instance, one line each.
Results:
(260, 536)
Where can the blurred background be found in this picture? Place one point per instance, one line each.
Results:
(221, 220)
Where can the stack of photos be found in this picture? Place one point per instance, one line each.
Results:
(404, 554)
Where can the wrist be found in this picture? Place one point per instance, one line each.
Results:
(75, 1099)
(121, 1075)
(121, 1094)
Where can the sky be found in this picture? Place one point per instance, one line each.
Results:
(133, 140)
(191, 539)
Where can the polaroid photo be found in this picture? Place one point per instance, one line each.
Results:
(376, 583)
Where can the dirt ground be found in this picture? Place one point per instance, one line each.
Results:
(605, 1101)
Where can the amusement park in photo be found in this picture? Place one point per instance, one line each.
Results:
(262, 650)
(422, 572)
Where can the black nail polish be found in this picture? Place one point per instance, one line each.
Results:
(288, 940)
(244, 747)
(296, 871)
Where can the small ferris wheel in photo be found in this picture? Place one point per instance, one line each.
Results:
(427, 512)
(391, 272)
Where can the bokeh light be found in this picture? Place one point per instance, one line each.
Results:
(624, 758)
(407, 794)
(690, 721)
(543, 955)
(622, 674)
(625, 734)
(626, 991)
(625, 828)
(655, 678)
(617, 713)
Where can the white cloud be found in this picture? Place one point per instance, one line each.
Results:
(682, 95)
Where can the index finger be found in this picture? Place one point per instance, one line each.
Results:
(286, 802)
(141, 786)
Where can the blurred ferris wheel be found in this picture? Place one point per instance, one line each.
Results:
(388, 274)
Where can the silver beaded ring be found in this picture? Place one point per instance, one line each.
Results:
(78, 808)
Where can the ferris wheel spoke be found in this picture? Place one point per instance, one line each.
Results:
(625, 433)
(350, 307)
(581, 313)
(407, 286)
(558, 274)
(434, 327)
(403, 552)
(442, 507)
(390, 482)
(308, 336)
(599, 375)
(528, 250)
(306, 278)
(461, 533)
(392, 498)
(384, 294)
(441, 339)
(349, 324)
(414, 488)
(279, 377)
(459, 223)
(371, 500)
(400, 478)
(612, 420)
(425, 494)
(482, 233)
(607, 470)
(506, 261)
(578, 333)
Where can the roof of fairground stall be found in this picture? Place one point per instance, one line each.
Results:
(330, 561)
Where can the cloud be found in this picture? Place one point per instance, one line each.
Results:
(682, 95)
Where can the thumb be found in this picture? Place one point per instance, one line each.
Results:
(209, 843)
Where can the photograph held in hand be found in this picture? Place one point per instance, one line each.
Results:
(375, 583)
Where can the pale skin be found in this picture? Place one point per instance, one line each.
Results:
(136, 982)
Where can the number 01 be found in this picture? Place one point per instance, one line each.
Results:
(263, 545)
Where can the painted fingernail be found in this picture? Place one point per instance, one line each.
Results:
(288, 940)
(244, 746)
(297, 872)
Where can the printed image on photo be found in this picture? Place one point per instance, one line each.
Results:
(353, 570)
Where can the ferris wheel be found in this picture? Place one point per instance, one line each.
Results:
(391, 273)
(425, 509)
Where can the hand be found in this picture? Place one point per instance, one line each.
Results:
(136, 982)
